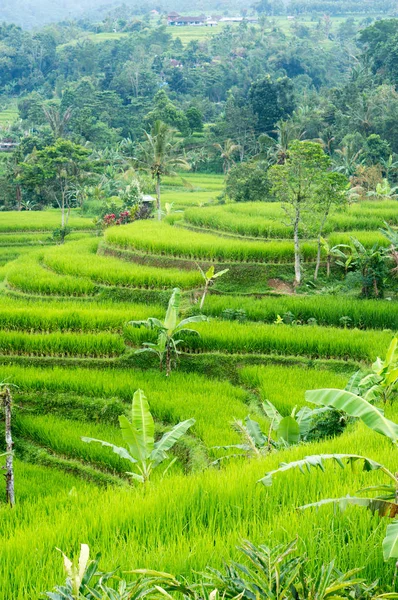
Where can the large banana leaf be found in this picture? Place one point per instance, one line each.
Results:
(189, 320)
(390, 356)
(254, 431)
(136, 476)
(122, 452)
(210, 272)
(139, 434)
(304, 419)
(355, 406)
(168, 440)
(316, 461)
(392, 377)
(390, 542)
(354, 383)
(173, 308)
(151, 323)
(272, 413)
(382, 507)
(215, 275)
(289, 431)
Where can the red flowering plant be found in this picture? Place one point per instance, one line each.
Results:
(119, 218)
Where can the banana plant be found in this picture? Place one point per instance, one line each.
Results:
(288, 431)
(266, 572)
(209, 277)
(168, 331)
(294, 428)
(385, 501)
(382, 382)
(79, 576)
(392, 236)
(138, 435)
(84, 580)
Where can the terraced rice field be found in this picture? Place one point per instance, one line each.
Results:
(66, 346)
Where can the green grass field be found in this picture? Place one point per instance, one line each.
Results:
(70, 357)
(8, 114)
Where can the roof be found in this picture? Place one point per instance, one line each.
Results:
(189, 19)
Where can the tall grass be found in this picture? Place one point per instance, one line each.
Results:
(63, 436)
(82, 260)
(285, 386)
(61, 344)
(327, 310)
(367, 238)
(161, 238)
(48, 317)
(24, 239)
(186, 523)
(265, 220)
(40, 221)
(29, 276)
(253, 338)
(212, 403)
(220, 218)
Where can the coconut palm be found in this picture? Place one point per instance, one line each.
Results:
(160, 155)
(347, 160)
(57, 119)
(276, 148)
(227, 152)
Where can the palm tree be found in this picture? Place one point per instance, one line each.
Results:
(276, 148)
(348, 160)
(160, 155)
(389, 166)
(227, 152)
(57, 119)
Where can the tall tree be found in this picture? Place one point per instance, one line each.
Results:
(270, 102)
(227, 153)
(160, 155)
(6, 402)
(332, 194)
(298, 184)
(56, 170)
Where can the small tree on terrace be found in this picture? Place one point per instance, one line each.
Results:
(298, 184)
(332, 195)
(56, 171)
(160, 155)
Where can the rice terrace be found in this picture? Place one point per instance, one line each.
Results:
(199, 301)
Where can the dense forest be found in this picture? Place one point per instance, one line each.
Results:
(237, 97)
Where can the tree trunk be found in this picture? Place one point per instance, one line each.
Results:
(318, 259)
(10, 492)
(297, 263)
(204, 295)
(375, 287)
(168, 360)
(158, 204)
(19, 197)
(320, 232)
(63, 211)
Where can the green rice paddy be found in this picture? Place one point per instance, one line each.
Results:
(66, 348)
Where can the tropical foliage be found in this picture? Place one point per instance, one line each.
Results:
(138, 435)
